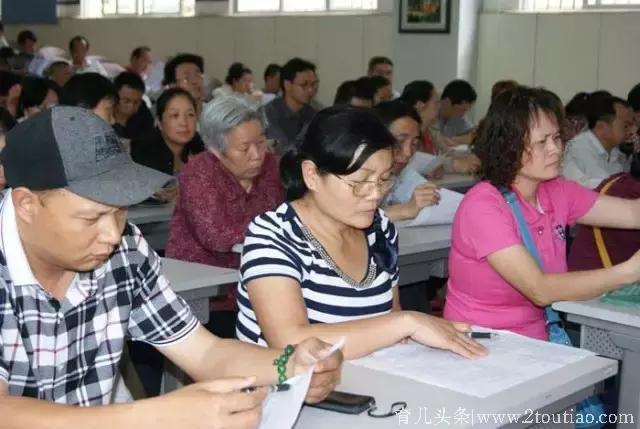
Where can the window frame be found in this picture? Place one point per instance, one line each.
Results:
(233, 10)
(586, 7)
(139, 10)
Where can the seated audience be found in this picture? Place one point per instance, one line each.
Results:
(185, 71)
(168, 147)
(593, 155)
(140, 61)
(403, 123)
(617, 244)
(382, 66)
(58, 72)
(37, 94)
(328, 255)
(356, 93)
(76, 274)
(132, 116)
(494, 280)
(289, 114)
(78, 49)
(239, 83)
(456, 100)
(384, 91)
(27, 42)
(221, 191)
(422, 95)
(10, 88)
(91, 91)
(633, 98)
(271, 88)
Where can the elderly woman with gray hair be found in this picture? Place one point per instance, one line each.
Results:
(221, 191)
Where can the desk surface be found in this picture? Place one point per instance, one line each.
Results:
(189, 276)
(594, 309)
(424, 239)
(386, 389)
(455, 180)
(142, 214)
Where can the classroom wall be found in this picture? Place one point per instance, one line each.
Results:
(340, 45)
(565, 52)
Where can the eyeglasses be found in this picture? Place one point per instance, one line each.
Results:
(362, 188)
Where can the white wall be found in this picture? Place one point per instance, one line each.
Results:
(340, 45)
(565, 52)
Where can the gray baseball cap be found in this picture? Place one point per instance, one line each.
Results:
(72, 148)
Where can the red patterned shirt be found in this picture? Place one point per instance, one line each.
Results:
(213, 211)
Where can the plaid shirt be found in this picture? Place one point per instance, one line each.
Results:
(69, 352)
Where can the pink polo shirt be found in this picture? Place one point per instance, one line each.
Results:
(484, 224)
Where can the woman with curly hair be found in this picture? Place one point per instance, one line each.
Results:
(498, 281)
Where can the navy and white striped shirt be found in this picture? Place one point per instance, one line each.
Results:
(275, 246)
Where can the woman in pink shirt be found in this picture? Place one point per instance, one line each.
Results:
(494, 281)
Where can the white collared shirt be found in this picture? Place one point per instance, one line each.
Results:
(587, 162)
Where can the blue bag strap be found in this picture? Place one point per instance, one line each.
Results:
(551, 316)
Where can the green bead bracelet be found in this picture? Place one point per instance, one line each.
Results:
(281, 363)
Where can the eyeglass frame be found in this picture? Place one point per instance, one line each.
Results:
(377, 184)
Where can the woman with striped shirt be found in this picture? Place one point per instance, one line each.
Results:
(325, 263)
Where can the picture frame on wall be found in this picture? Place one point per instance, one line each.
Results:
(425, 16)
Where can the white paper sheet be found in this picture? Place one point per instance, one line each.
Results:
(425, 163)
(440, 214)
(280, 409)
(500, 370)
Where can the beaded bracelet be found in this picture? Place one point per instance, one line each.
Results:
(281, 363)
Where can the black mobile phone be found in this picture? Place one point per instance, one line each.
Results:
(348, 403)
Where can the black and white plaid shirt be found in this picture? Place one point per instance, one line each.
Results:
(68, 352)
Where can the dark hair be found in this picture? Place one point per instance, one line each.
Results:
(235, 72)
(130, 79)
(602, 108)
(374, 61)
(633, 98)
(1, 27)
(25, 35)
(418, 90)
(78, 39)
(579, 103)
(137, 52)
(173, 63)
(360, 88)
(379, 82)
(87, 90)
(271, 70)
(170, 94)
(292, 67)
(7, 81)
(6, 57)
(6, 120)
(503, 135)
(34, 91)
(48, 72)
(390, 111)
(331, 140)
(502, 85)
(459, 91)
(635, 166)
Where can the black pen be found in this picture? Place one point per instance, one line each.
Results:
(271, 387)
(481, 335)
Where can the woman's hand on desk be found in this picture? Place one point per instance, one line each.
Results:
(210, 404)
(327, 368)
(424, 195)
(466, 164)
(444, 334)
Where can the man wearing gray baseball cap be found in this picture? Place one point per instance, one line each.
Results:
(77, 280)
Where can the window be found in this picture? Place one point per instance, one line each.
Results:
(106, 8)
(568, 5)
(302, 6)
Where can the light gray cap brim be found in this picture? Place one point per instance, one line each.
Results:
(121, 187)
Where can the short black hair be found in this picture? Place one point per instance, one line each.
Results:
(137, 52)
(390, 111)
(170, 94)
(503, 135)
(6, 121)
(7, 81)
(1, 27)
(25, 35)
(459, 91)
(379, 82)
(87, 90)
(418, 90)
(292, 68)
(271, 70)
(34, 91)
(374, 61)
(602, 108)
(633, 98)
(173, 63)
(130, 79)
(235, 72)
(359, 88)
(579, 103)
(6, 57)
(331, 142)
(78, 39)
(53, 66)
